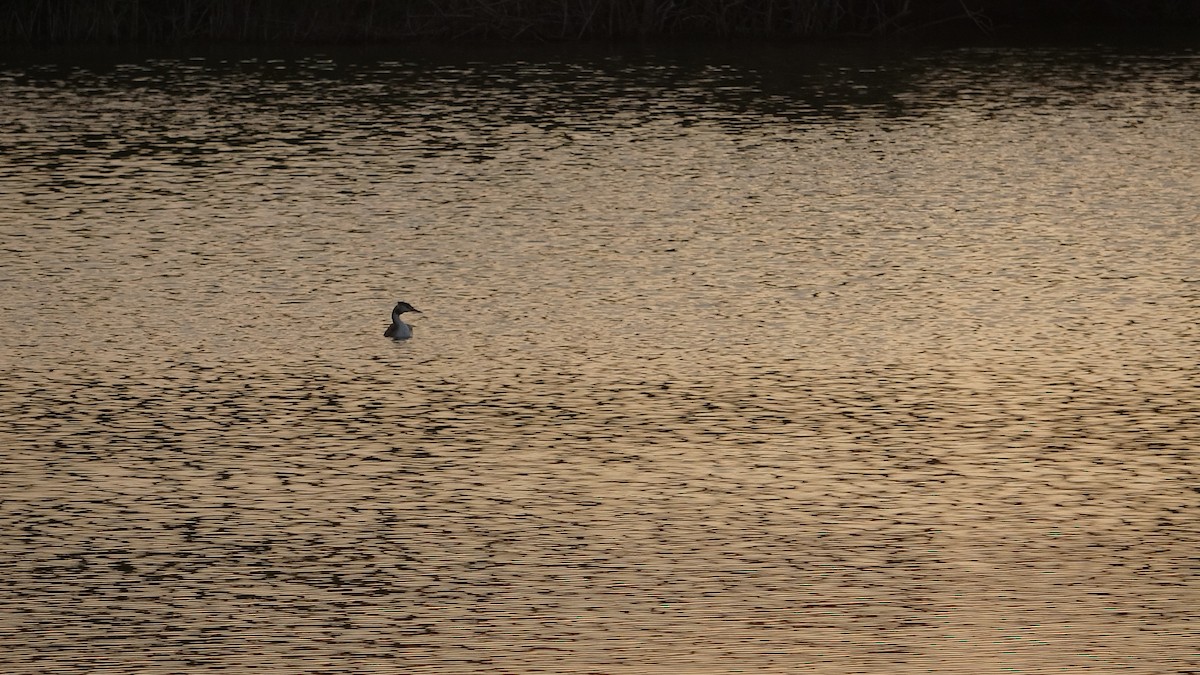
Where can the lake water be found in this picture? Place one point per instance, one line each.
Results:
(764, 360)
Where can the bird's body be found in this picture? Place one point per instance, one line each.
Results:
(400, 330)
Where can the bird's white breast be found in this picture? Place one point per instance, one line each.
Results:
(403, 331)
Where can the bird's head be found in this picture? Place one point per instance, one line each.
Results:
(402, 307)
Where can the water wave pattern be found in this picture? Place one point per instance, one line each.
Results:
(821, 361)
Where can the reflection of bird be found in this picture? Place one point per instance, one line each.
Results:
(400, 330)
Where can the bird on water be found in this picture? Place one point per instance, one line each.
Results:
(400, 330)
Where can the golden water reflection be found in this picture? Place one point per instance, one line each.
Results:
(719, 370)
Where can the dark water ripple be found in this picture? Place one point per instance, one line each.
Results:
(839, 364)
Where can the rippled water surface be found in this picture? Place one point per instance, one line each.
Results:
(770, 361)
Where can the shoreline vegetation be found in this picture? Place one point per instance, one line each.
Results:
(383, 21)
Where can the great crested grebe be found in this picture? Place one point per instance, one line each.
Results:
(400, 330)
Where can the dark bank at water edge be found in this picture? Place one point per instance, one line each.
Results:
(352, 21)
